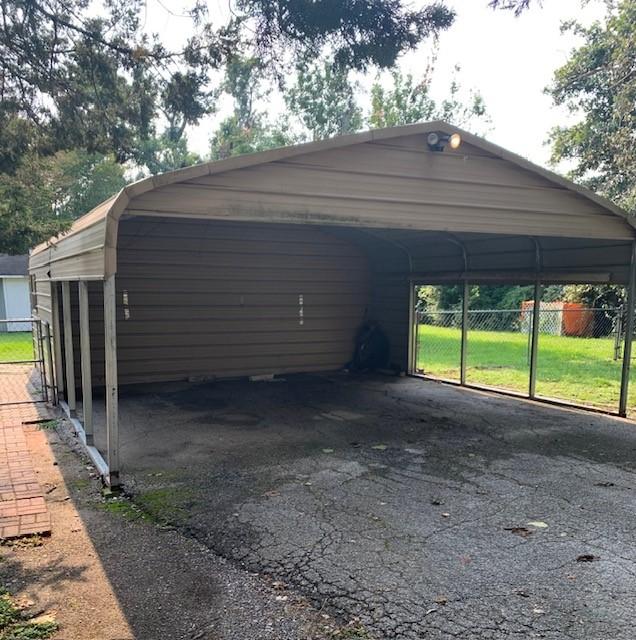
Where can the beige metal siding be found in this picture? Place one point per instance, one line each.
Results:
(399, 185)
(390, 308)
(74, 257)
(41, 294)
(222, 299)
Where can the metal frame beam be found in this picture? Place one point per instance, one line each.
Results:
(629, 335)
(463, 354)
(534, 343)
(68, 348)
(85, 358)
(112, 393)
(57, 342)
(412, 338)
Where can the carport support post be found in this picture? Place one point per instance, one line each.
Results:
(534, 344)
(464, 343)
(85, 353)
(411, 365)
(629, 335)
(57, 339)
(110, 353)
(68, 348)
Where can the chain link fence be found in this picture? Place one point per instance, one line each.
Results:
(578, 358)
(24, 351)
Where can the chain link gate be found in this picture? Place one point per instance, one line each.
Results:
(26, 372)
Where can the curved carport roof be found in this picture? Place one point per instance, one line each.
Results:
(486, 207)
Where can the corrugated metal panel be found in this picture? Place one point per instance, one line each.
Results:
(390, 307)
(378, 179)
(42, 294)
(380, 185)
(210, 299)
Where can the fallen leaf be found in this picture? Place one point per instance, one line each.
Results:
(441, 600)
(587, 557)
(519, 531)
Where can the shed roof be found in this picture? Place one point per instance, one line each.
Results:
(13, 265)
(93, 237)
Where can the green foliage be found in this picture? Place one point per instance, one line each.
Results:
(598, 84)
(162, 153)
(406, 102)
(518, 6)
(43, 194)
(606, 296)
(323, 99)
(449, 297)
(123, 508)
(14, 625)
(83, 79)
(359, 33)
(232, 139)
(247, 129)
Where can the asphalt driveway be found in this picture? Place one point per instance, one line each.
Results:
(424, 510)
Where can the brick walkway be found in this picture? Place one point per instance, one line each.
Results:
(23, 509)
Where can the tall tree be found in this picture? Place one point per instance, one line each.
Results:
(99, 81)
(45, 193)
(247, 129)
(324, 100)
(407, 101)
(598, 85)
(74, 78)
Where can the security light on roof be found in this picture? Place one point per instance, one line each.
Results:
(438, 141)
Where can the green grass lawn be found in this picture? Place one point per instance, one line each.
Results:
(16, 346)
(578, 370)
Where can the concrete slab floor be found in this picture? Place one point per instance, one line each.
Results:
(426, 510)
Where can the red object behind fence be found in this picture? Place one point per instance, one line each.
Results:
(577, 321)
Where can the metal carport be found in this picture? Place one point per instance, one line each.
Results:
(266, 263)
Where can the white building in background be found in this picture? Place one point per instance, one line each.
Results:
(15, 302)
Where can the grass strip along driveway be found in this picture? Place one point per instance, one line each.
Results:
(580, 370)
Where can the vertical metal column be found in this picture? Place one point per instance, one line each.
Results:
(57, 342)
(42, 360)
(85, 359)
(412, 339)
(464, 344)
(49, 363)
(629, 334)
(112, 394)
(68, 348)
(534, 344)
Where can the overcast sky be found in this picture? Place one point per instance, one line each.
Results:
(508, 60)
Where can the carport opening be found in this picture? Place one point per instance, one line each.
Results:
(580, 340)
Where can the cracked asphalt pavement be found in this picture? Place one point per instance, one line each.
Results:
(425, 510)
